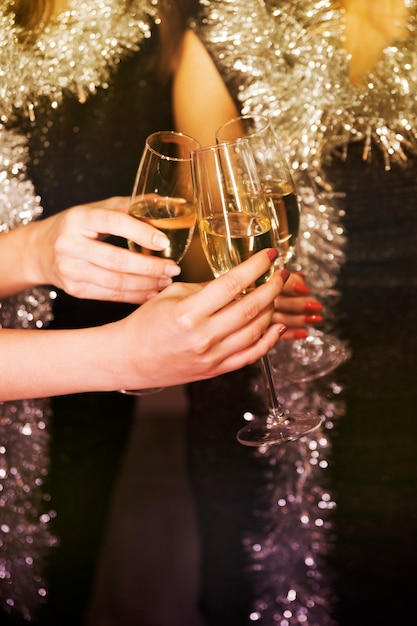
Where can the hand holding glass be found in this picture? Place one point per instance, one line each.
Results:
(318, 354)
(163, 196)
(235, 221)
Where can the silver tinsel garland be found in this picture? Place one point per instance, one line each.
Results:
(24, 508)
(286, 59)
(73, 55)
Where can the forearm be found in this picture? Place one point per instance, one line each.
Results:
(57, 362)
(18, 258)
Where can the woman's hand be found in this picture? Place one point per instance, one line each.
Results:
(186, 333)
(191, 331)
(71, 253)
(296, 308)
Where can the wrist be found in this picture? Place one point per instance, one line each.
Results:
(35, 259)
(20, 251)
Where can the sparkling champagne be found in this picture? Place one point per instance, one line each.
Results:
(228, 243)
(175, 217)
(284, 206)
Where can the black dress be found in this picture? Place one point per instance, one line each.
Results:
(287, 59)
(375, 474)
(81, 153)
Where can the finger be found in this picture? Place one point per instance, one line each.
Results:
(292, 320)
(135, 295)
(296, 333)
(236, 325)
(107, 256)
(83, 276)
(232, 284)
(296, 285)
(115, 203)
(236, 337)
(111, 222)
(299, 305)
(251, 353)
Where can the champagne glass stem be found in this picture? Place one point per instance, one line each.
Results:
(278, 426)
(235, 220)
(275, 413)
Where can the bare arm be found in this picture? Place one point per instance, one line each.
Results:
(68, 251)
(202, 104)
(200, 98)
(187, 332)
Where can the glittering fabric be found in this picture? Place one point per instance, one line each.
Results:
(72, 58)
(56, 61)
(24, 507)
(353, 154)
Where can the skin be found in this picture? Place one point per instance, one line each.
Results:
(199, 93)
(371, 26)
(59, 6)
(205, 330)
(67, 250)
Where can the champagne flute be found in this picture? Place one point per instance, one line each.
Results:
(235, 222)
(318, 354)
(163, 196)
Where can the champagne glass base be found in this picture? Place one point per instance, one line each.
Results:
(141, 392)
(303, 360)
(261, 432)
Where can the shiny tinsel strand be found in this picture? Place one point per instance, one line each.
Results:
(25, 511)
(76, 53)
(286, 59)
(73, 55)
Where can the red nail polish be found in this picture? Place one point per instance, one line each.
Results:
(285, 274)
(300, 334)
(313, 307)
(272, 254)
(313, 319)
(283, 330)
(301, 289)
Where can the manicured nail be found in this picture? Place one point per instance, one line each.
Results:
(300, 334)
(161, 240)
(313, 307)
(164, 282)
(313, 319)
(301, 289)
(172, 270)
(272, 254)
(285, 274)
(283, 330)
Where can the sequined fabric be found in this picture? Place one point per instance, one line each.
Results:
(71, 61)
(353, 153)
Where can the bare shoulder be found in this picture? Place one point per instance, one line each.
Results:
(200, 97)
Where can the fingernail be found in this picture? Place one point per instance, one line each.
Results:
(164, 282)
(301, 288)
(285, 274)
(283, 330)
(303, 276)
(172, 270)
(300, 334)
(161, 240)
(313, 307)
(313, 319)
(272, 254)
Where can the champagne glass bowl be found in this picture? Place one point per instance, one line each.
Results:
(235, 221)
(163, 196)
(320, 353)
